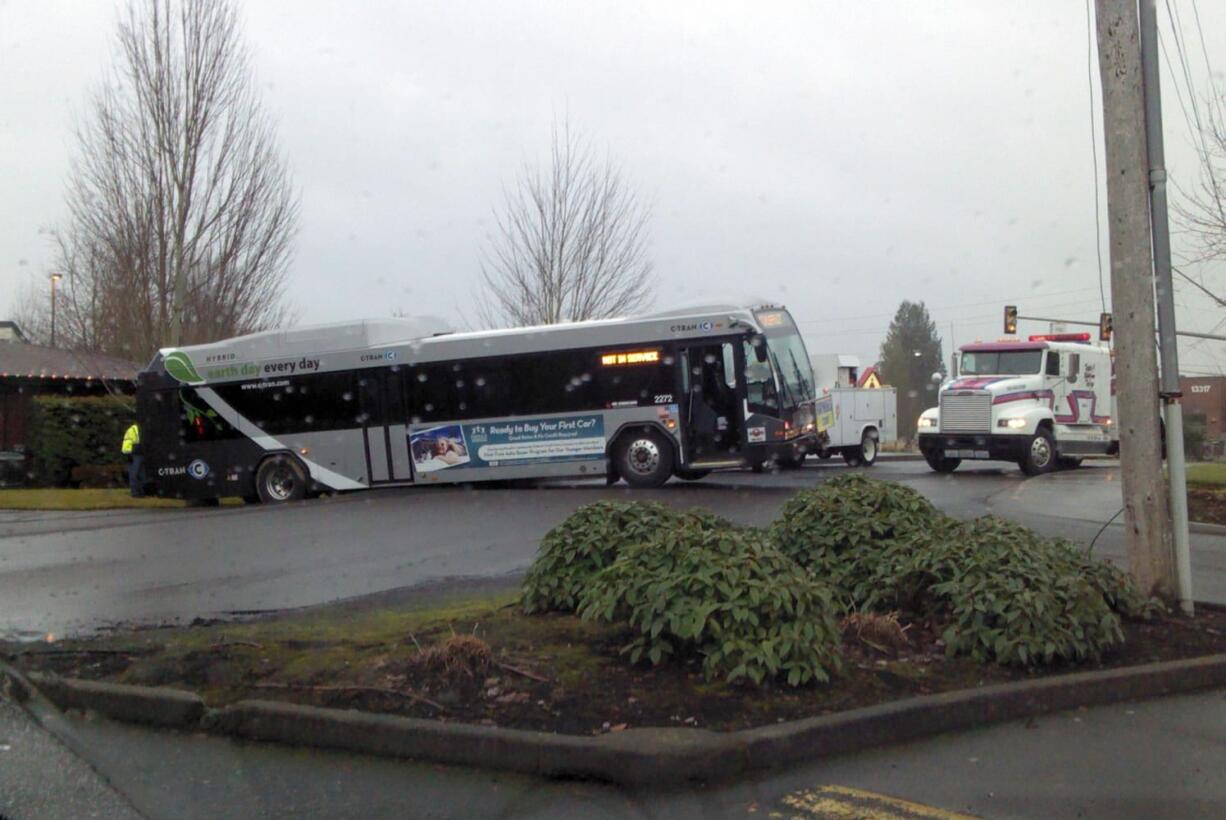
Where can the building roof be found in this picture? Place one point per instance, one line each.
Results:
(19, 360)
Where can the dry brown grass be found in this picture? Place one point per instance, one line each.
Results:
(457, 656)
(882, 632)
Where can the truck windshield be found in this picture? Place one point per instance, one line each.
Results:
(1001, 362)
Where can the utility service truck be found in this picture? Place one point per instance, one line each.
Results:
(850, 420)
(1043, 403)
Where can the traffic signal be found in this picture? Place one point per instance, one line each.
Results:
(1010, 320)
(1104, 327)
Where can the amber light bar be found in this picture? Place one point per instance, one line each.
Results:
(1061, 337)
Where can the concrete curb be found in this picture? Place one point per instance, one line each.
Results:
(638, 757)
(1206, 529)
(156, 706)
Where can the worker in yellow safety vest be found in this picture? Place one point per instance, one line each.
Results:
(136, 461)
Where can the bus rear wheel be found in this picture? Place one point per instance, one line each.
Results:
(280, 479)
(644, 458)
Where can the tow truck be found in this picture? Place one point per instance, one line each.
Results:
(1044, 403)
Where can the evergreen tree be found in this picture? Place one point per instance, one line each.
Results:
(910, 354)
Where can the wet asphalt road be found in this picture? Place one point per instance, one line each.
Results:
(69, 573)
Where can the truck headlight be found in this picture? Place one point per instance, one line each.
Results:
(1012, 424)
(927, 423)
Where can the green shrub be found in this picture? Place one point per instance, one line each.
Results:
(585, 543)
(726, 595)
(71, 431)
(833, 529)
(1004, 592)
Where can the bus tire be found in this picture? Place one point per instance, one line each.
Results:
(279, 479)
(1040, 455)
(644, 458)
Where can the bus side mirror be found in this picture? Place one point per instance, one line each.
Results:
(759, 347)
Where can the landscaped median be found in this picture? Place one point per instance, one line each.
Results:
(649, 646)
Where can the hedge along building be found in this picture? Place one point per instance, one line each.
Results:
(29, 370)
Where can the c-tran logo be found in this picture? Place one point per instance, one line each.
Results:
(198, 469)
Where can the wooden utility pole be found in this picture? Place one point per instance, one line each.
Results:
(1150, 557)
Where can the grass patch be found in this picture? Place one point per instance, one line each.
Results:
(55, 498)
(1207, 474)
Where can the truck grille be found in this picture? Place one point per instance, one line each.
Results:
(966, 413)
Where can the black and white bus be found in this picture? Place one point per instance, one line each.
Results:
(280, 415)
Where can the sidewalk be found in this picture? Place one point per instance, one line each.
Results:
(39, 777)
(1155, 758)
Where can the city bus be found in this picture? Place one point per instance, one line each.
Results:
(281, 415)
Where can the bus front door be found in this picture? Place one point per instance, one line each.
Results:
(712, 420)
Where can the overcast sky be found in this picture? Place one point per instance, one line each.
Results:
(835, 157)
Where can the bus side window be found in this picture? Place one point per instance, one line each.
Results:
(1053, 363)
(1074, 367)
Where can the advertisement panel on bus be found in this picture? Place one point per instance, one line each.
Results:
(507, 443)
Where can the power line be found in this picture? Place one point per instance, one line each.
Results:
(1098, 237)
(1000, 301)
(1177, 35)
(1201, 33)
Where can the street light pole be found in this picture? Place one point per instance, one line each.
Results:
(55, 278)
(1164, 288)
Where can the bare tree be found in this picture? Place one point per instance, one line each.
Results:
(1200, 209)
(570, 243)
(181, 208)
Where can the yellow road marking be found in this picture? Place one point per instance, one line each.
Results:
(844, 803)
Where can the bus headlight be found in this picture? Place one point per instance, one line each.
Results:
(1012, 424)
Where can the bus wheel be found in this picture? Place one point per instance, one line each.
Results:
(280, 479)
(644, 458)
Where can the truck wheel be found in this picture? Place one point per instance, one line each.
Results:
(940, 463)
(644, 458)
(281, 479)
(824, 454)
(1069, 462)
(851, 455)
(1040, 455)
(868, 448)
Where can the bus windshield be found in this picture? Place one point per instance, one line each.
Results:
(788, 356)
(1001, 362)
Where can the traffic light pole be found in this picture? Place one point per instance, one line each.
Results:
(1168, 349)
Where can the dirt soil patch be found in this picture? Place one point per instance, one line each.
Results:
(482, 661)
(1207, 504)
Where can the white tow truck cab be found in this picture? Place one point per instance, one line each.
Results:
(1042, 403)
